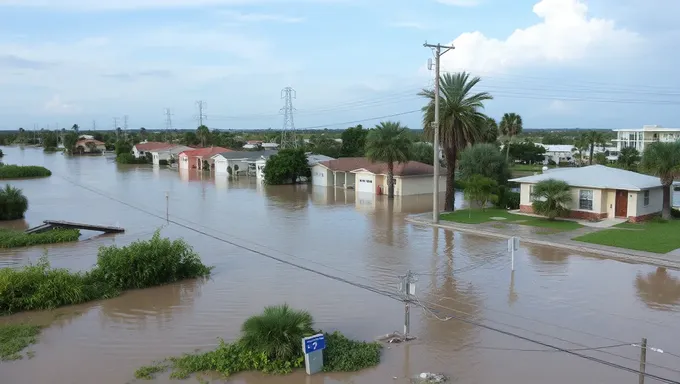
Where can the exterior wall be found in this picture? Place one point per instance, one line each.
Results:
(259, 168)
(221, 165)
(525, 194)
(322, 176)
(600, 199)
(184, 161)
(137, 153)
(419, 185)
(365, 183)
(582, 215)
(610, 204)
(639, 209)
(157, 156)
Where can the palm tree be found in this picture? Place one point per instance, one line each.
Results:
(460, 119)
(489, 131)
(13, 203)
(118, 133)
(511, 125)
(389, 142)
(594, 138)
(663, 160)
(628, 158)
(277, 331)
(203, 133)
(142, 133)
(75, 128)
(551, 198)
(580, 145)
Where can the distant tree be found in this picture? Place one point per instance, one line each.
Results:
(142, 133)
(190, 138)
(581, 144)
(481, 190)
(594, 138)
(324, 145)
(119, 133)
(22, 135)
(484, 160)
(460, 120)
(70, 140)
(629, 158)
(422, 152)
(123, 147)
(663, 160)
(76, 128)
(527, 152)
(203, 135)
(489, 131)
(511, 125)
(551, 198)
(50, 140)
(601, 158)
(286, 167)
(554, 139)
(353, 142)
(389, 142)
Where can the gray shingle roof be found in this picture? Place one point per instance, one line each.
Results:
(247, 155)
(597, 176)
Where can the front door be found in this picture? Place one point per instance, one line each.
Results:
(621, 208)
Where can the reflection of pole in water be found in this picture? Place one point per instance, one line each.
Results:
(512, 294)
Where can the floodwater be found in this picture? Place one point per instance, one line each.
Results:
(560, 298)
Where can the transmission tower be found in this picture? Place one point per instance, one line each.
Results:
(168, 119)
(288, 139)
(201, 112)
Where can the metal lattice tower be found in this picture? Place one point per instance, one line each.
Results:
(168, 119)
(288, 139)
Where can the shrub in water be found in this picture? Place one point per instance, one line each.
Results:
(13, 203)
(129, 158)
(13, 239)
(23, 171)
(148, 263)
(345, 355)
(277, 331)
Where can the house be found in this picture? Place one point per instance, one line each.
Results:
(239, 161)
(167, 154)
(89, 146)
(638, 138)
(600, 192)
(314, 159)
(269, 145)
(141, 149)
(253, 144)
(557, 153)
(87, 137)
(412, 178)
(198, 158)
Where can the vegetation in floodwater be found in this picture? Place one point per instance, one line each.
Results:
(142, 264)
(13, 203)
(271, 344)
(14, 338)
(23, 171)
(13, 238)
(147, 372)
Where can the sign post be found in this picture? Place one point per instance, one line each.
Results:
(313, 347)
(513, 245)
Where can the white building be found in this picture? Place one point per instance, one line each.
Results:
(557, 153)
(239, 162)
(168, 153)
(638, 138)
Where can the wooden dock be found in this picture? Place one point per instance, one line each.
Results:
(52, 224)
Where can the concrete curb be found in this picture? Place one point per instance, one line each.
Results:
(603, 253)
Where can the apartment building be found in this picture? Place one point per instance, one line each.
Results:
(638, 138)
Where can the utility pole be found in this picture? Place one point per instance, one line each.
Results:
(115, 127)
(435, 125)
(407, 288)
(201, 114)
(643, 360)
(167, 207)
(288, 139)
(168, 119)
(125, 126)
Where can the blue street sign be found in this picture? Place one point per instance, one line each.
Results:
(314, 343)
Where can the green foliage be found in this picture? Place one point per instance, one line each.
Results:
(555, 139)
(551, 198)
(481, 190)
(23, 171)
(485, 160)
(663, 160)
(324, 145)
(527, 152)
(601, 158)
(675, 213)
(422, 152)
(13, 239)
(353, 142)
(389, 142)
(489, 131)
(510, 126)
(139, 265)
(13, 203)
(147, 263)
(129, 158)
(203, 135)
(507, 199)
(286, 167)
(148, 372)
(345, 355)
(123, 147)
(1, 153)
(50, 140)
(629, 158)
(14, 338)
(594, 138)
(277, 331)
(70, 139)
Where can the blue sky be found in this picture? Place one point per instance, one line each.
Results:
(559, 63)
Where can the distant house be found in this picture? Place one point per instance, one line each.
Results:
(245, 161)
(253, 144)
(600, 192)
(167, 154)
(558, 153)
(89, 146)
(140, 150)
(411, 178)
(195, 158)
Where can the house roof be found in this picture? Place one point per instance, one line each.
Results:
(247, 155)
(175, 149)
(85, 141)
(205, 152)
(349, 164)
(314, 159)
(346, 164)
(556, 147)
(152, 146)
(597, 176)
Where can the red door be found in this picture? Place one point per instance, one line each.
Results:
(621, 208)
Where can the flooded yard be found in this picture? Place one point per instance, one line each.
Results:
(572, 301)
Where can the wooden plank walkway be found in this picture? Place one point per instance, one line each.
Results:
(51, 224)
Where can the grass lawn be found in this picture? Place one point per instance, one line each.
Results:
(657, 237)
(478, 216)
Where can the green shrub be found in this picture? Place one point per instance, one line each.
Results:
(345, 355)
(13, 203)
(149, 263)
(14, 239)
(507, 199)
(23, 171)
(14, 338)
(129, 158)
(277, 331)
(675, 213)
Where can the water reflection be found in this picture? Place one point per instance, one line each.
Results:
(549, 260)
(19, 225)
(659, 290)
(288, 197)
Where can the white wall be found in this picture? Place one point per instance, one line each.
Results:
(322, 176)
(221, 165)
(419, 185)
(184, 162)
(600, 198)
(638, 207)
(259, 167)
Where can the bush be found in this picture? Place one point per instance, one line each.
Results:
(50, 149)
(14, 239)
(507, 199)
(552, 162)
(551, 198)
(23, 171)
(149, 263)
(345, 355)
(129, 158)
(675, 213)
(277, 332)
(13, 203)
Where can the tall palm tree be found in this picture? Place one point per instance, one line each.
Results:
(389, 142)
(460, 121)
(490, 131)
(511, 125)
(663, 160)
(142, 133)
(203, 133)
(594, 138)
(75, 128)
(581, 144)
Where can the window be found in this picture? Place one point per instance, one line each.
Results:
(531, 192)
(585, 199)
(646, 198)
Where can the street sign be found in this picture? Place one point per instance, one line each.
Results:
(314, 343)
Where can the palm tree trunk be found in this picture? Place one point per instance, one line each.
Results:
(390, 180)
(507, 151)
(450, 197)
(666, 210)
(592, 148)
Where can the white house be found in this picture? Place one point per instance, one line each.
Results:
(241, 162)
(558, 153)
(141, 149)
(600, 192)
(168, 153)
(638, 138)
(270, 145)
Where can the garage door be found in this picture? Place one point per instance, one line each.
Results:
(319, 176)
(365, 184)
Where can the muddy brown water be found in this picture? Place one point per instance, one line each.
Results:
(557, 297)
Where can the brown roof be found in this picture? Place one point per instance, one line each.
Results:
(205, 152)
(348, 164)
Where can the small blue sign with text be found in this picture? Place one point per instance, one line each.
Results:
(314, 343)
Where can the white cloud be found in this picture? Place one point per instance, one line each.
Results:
(460, 3)
(565, 35)
(94, 5)
(58, 106)
(241, 17)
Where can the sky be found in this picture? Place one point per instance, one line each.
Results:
(558, 63)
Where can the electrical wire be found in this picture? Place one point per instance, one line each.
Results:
(389, 294)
